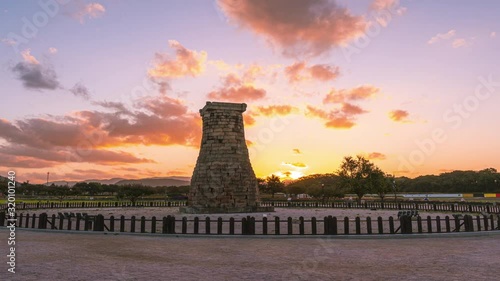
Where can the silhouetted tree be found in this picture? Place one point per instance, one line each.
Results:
(358, 175)
(273, 185)
(133, 191)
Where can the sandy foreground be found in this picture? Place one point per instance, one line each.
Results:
(90, 256)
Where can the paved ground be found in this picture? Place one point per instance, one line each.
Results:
(61, 256)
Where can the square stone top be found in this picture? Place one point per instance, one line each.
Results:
(240, 107)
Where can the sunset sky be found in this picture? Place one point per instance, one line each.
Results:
(113, 88)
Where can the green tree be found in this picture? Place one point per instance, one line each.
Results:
(60, 192)
(133, 191)
(295, 189)
(358, 175)
(382, 183)
(273, 185)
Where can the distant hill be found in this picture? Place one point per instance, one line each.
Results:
(156, 181)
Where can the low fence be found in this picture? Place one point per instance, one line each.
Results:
(251, 226)
(98, 204)
(424, 206)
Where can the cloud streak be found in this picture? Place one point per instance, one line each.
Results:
(442, 36)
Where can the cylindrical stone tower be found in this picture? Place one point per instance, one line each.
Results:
(223, 180)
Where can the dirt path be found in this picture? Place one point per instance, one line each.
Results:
(60, 256)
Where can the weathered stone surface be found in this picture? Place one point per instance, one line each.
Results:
(223, 180)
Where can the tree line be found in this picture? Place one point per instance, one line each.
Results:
(484, 181)
(128, 191)
(357, 175)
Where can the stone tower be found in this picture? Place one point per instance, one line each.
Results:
(223, 180)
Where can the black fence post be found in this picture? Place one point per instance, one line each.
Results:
(207, 225)
(301, 225)
(143, 224)
(196, 225)
(313, 226)
(2, 218)
(33, 219)
(290, 225)
(219, 226)
(122, 223)
(429, 224)
(447, 223)
(380, 225)
(346, 225)
(99, 223)
(358, 225)
(369, 225)
(42, 221)
(333, 225)
(244, 226)
(231, 226)
(184, 225)
(391, 225)
(61, 222)
(164, 225)
(277, 226)
(132, 224)
(112, 223)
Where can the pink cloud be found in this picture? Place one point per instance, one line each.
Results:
(299, 71)
(186, 63)
(298, 27)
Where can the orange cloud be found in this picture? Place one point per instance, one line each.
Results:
(86, 136)
(28, 57)
(299, 71)
(399, 116)
(249, 143)
(248, 120)
(297, 151)
(297, 27)
(376, 156)
(272, 110)
(186, 63)
(343, 118)
(358, 93)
